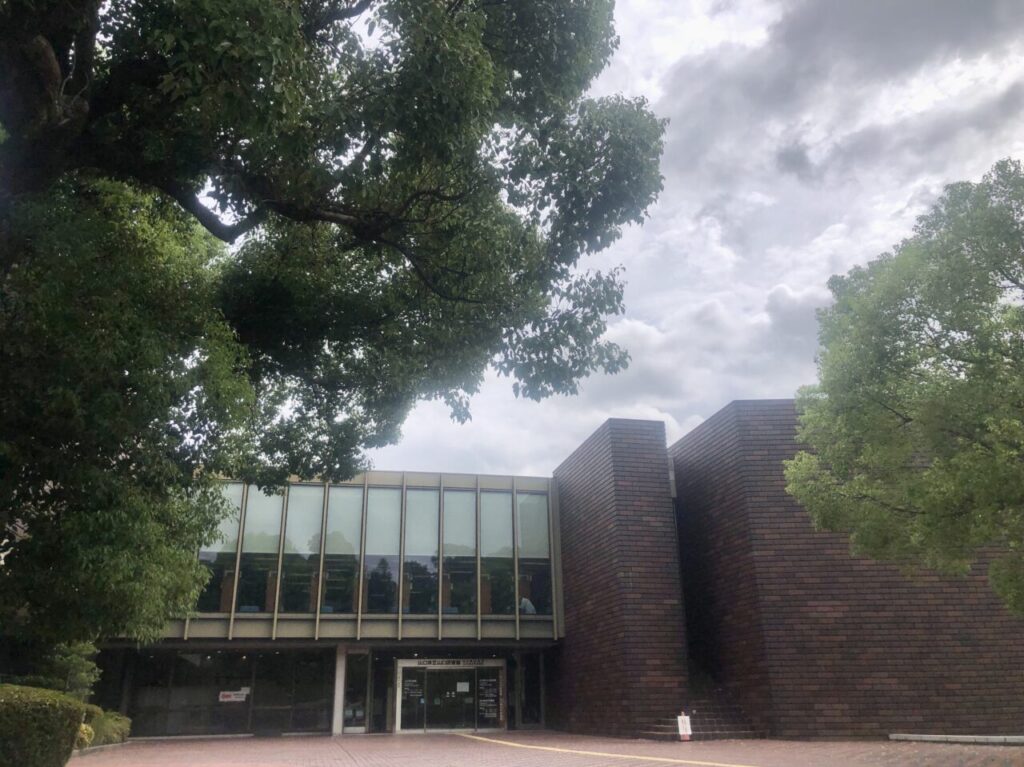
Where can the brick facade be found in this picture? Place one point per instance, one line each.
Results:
(622, 663)
(720, 590)
(812, 641)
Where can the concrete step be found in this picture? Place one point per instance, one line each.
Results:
(657, 735)
(714, 716)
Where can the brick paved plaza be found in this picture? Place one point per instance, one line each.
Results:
(542, 748)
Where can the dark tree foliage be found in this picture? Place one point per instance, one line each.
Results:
(405, 188)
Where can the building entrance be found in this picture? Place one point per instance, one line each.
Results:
(451, 695)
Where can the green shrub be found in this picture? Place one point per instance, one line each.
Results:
(111, 727)
(68, 668)
(38, 728)
(85, 736)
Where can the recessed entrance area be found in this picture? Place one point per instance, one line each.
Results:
(451, 694)
(426, 689)
(262, 690)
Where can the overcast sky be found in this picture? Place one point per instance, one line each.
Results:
(805, 138)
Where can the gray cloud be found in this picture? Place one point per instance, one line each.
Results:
(804, 138)
(918, 140)
(793, 159)
(884, 39)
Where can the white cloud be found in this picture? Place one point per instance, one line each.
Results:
(805, 137)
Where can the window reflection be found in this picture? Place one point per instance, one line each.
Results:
(458, 588)
(300, 567)
(497, 575)
(341, 549)
(503, 517)
(219, 556)
(257, 575)
(419, 580)
(383, 529)
(534, 554)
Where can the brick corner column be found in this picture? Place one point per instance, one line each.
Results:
(622, 665)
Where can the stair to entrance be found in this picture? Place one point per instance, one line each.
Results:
(665, 728)
(713, 716)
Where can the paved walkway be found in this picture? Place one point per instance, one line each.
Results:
(546, 749)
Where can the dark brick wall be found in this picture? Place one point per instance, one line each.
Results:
(723, 618)
(622, 663)
(850, 646)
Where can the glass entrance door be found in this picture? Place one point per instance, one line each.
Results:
(452, 696)
(451, 702)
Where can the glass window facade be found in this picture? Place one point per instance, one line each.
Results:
(383, 533)
(419, 574)
(381, 550)
(341, 549)
(178, 692)
(458, 587)
(497, 571)
(257, 574)
(300, 564)
(218, 556)
(534, 554)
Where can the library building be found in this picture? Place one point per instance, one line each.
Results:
(638, 581)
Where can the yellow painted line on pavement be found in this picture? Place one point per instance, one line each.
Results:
(605, 754)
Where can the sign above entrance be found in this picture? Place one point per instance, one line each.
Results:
(233, 696)
(454, 662)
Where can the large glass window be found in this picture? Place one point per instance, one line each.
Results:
(179, 693)
(197, 678)
(357, 682)
(341, 549)
(383, 532)
(293, 692)
(458, 589)
(219, 556)
(300, 567)
(419, 579)
(534, 554)
(257, 576)
(497, 584)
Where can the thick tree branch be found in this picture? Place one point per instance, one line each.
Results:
(85, 50)
(210, 221)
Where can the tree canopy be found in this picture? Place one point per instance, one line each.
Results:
(916, 428)
(244, 238)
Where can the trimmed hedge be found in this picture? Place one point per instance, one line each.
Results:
(111, 727)
(38, 727)
(85, 736)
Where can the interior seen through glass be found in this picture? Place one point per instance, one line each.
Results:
(257, 573)
(469, 580)
(341, 549)
(452, 698)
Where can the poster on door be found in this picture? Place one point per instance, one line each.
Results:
(489, 700)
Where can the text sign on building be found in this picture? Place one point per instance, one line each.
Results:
(449, 662)
(233, 696)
